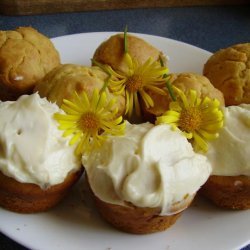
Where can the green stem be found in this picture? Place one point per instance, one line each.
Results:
(168, 84)
(100, 65)
(125, 39)
(105, 85)
(106, 82)
(170, 90)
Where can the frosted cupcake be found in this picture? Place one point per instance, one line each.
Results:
(142, 181)
(229, 184)
(37, 167)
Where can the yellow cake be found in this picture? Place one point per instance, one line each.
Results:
(66, 79)
(37, 165)
(229, 184)
(229, 71)
(111, 51)
(25, 57)
(185, 82)
(140, 180)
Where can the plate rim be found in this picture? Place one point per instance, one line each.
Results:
(74, 35)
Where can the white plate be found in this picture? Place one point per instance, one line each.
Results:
(74, 224)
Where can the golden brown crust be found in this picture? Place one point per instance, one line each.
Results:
(61, 82)
(111, 51)
(64, 80)
(229, 70)
(161, 104)
(25, 57)
(183, 81)
(232, 192)
(135, 220)
(30, 198)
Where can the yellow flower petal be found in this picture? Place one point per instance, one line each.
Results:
(175, 106)
(138, 78)
(192, 98)
(129, 60)
(208, 136)
(200, 143)
(75, 138)
(146, 98)
(188, 135)
(68, 131)
(157, 90)
(69, 104)
(198, 118)
(94, 99)
(102, 100)
(64, 117)
(89, 120)
(127, 101)
(172, 113)
(167, 119)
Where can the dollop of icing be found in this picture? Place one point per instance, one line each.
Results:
(229, 154)
(150, 166)
(32, 149)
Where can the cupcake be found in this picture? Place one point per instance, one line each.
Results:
(63, 81)
(111, 51)
(142, 181)
(184, 82)
(37, 166)
(228, 70)
(229, 184)
(135, 68)
(25, 57)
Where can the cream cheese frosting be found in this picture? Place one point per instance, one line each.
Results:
(32, 149)
(150, 166)
(229, 154)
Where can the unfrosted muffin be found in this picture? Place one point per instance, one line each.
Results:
(142, 181)
(37, 166)
(111, 51)
(185, 82)
(64, 80)
(229, 71)
(25, 57)
(229, 184)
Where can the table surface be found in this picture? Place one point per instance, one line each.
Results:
(209, 28)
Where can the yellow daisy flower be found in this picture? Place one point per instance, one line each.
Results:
(89, 120)
(199, 119)
(136, 81)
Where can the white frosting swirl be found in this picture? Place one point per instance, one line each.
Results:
(229, 154)
(32, 149)
(150, 166)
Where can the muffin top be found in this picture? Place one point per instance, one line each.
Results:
(64, 80)
(150, 166)
(32, 148)
(229, 153)
(184, 81)
(25, 57)
(111, 51)
(229, 70)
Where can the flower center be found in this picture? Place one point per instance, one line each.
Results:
(190, 119)
(134, 83)
(89, 122)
